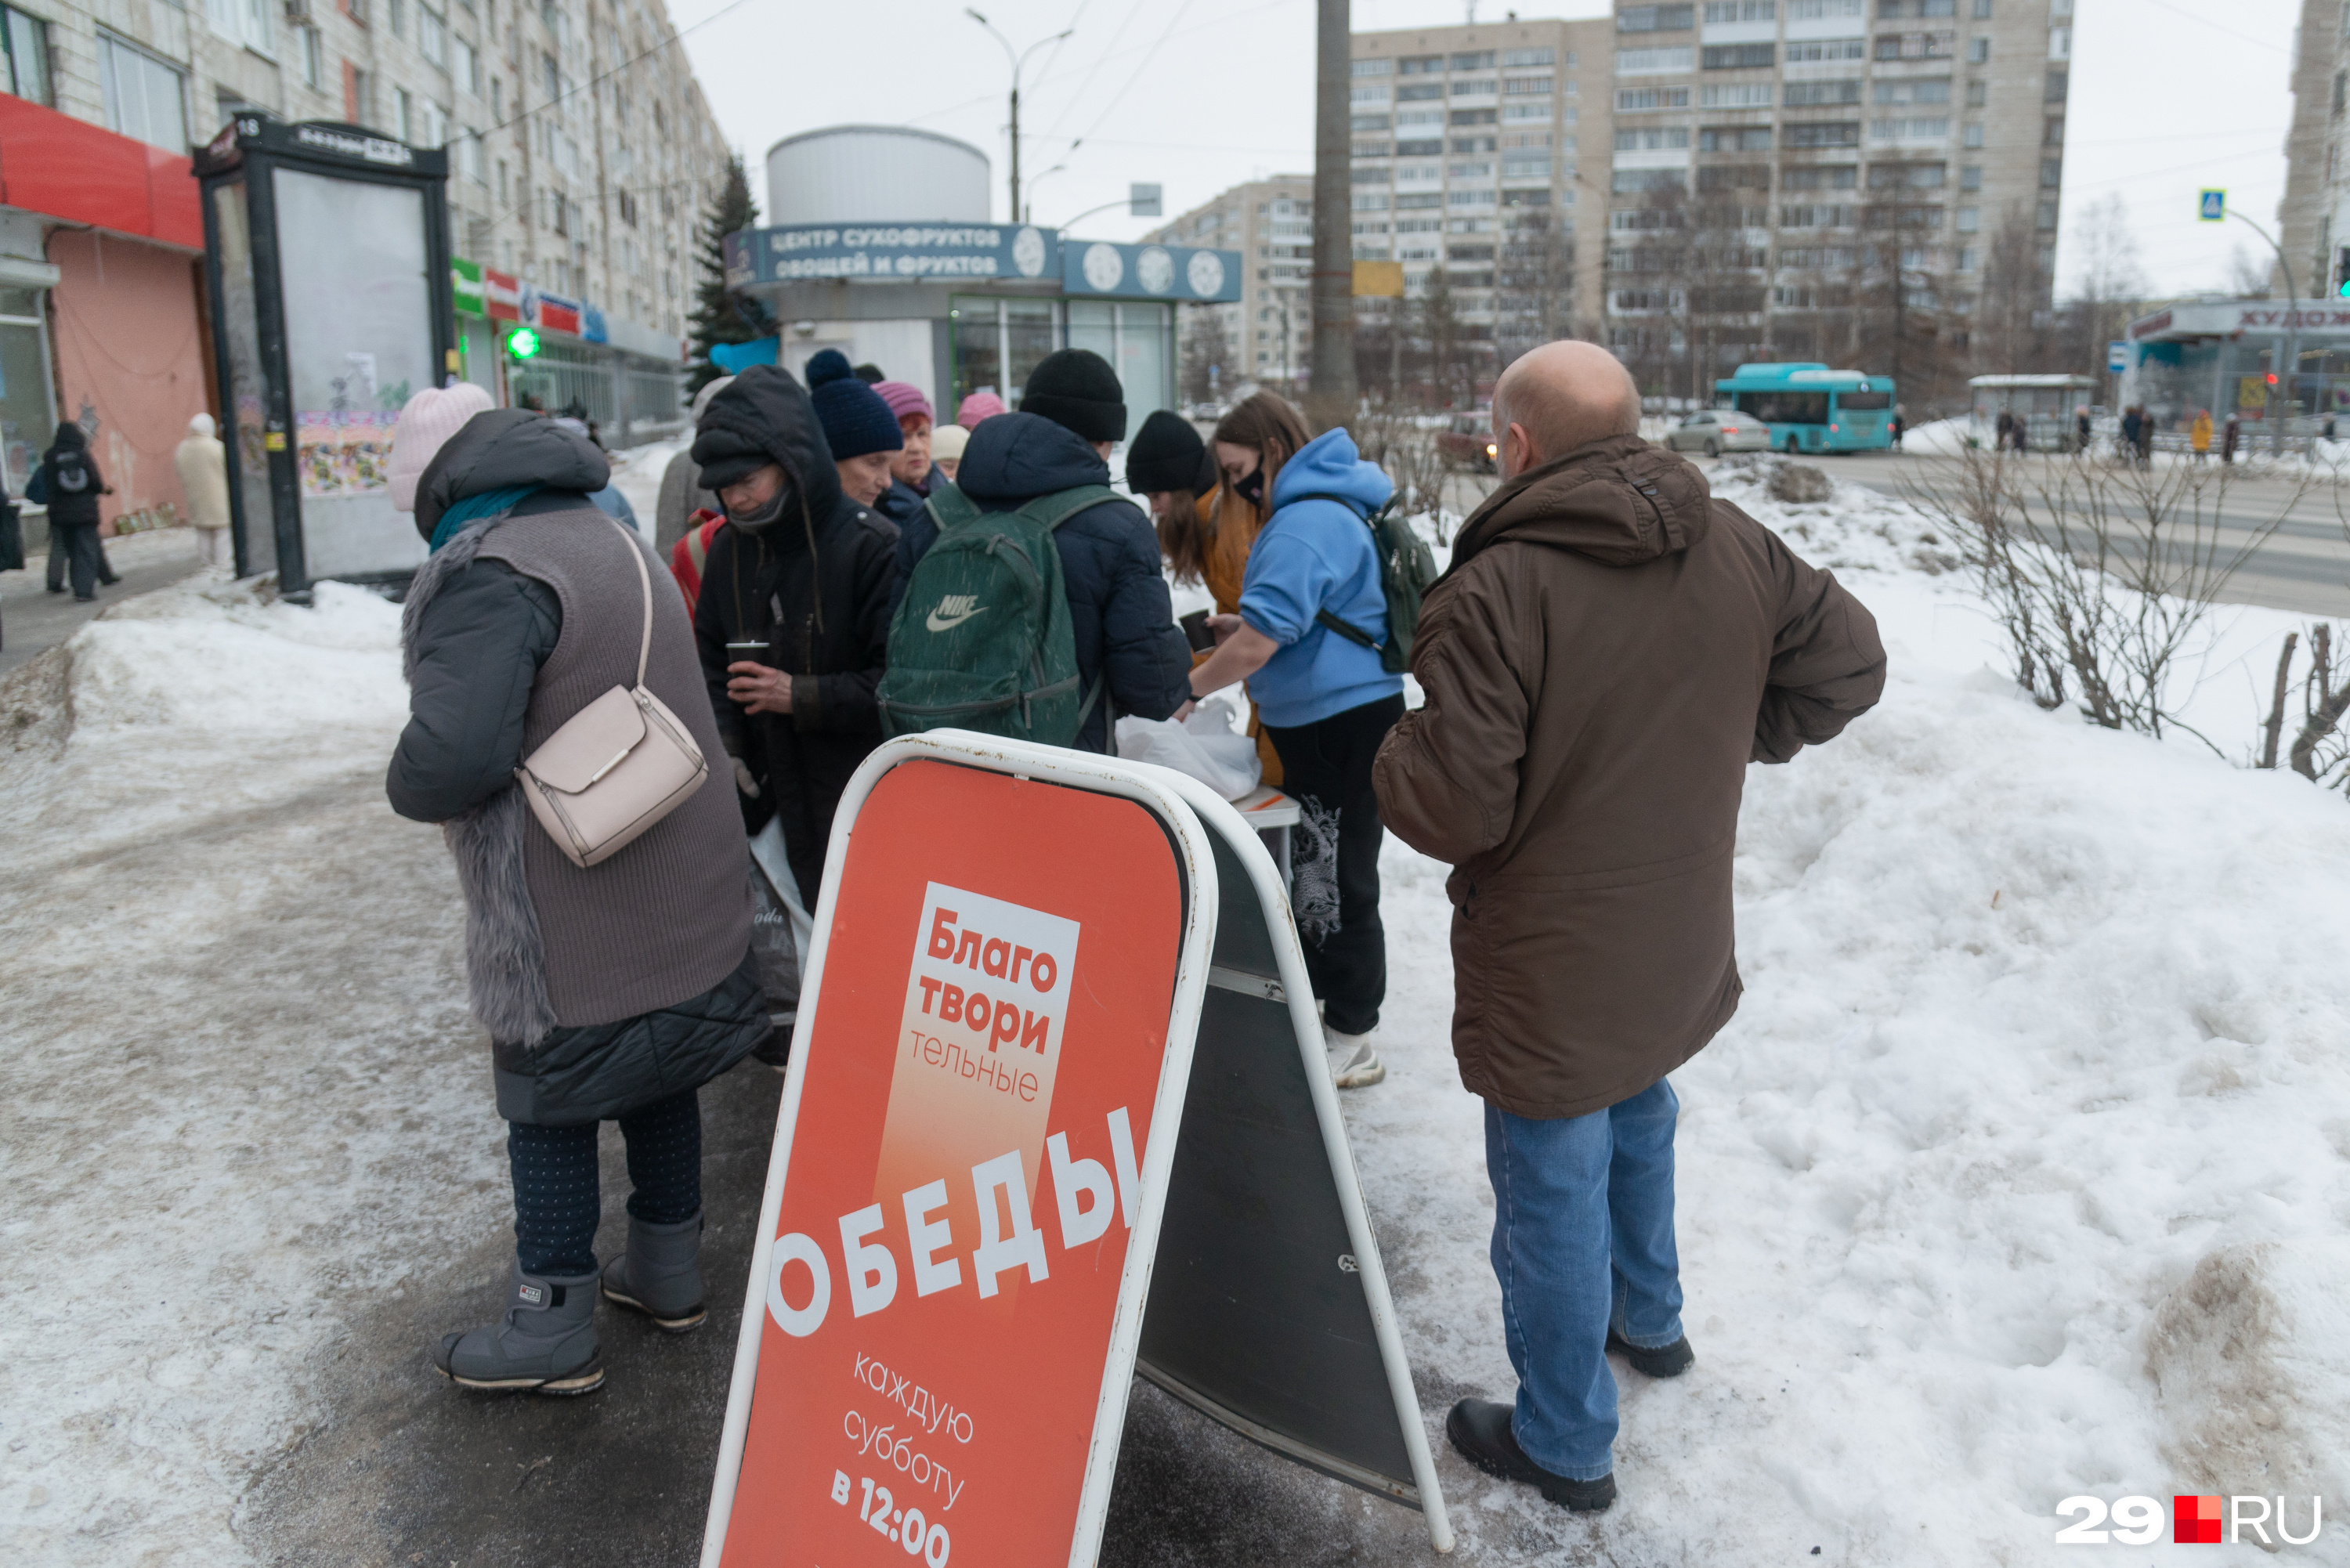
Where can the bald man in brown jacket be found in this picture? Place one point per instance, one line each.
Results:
(1609, 650)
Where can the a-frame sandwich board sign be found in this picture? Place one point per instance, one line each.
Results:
(954, 1264)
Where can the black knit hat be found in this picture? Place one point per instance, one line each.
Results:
(856, 420)
(1076, 389)
(1164, 454)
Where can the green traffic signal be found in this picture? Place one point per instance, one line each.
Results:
(523, 344)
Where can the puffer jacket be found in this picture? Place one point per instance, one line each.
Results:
(607, 987)
(67, 481)
(1607, 651)
(1121, 614)
(814, 586)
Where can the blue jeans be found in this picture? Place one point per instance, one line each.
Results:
(1583, 1242)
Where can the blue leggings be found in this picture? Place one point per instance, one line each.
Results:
(558, 1200)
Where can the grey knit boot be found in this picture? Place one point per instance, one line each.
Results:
(660, 1274)
(544, 1342)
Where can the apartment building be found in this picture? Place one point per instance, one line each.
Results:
(1483, 150)
(581, 156)
(2314, 219)
(1269, 334)
(1842, 179)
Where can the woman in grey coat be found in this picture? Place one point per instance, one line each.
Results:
(610, 992)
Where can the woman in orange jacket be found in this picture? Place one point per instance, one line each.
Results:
(1205, 527)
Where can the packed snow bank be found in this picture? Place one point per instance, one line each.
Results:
(1937, 438)
(239, 1094)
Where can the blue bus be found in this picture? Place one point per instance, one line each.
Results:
(1810, 408)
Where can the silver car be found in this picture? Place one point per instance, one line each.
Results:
(1716, 431)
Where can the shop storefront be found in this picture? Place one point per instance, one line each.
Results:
(957, 308)
(524, 346)
(2255, 360)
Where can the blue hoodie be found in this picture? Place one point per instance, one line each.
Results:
(1317, 555)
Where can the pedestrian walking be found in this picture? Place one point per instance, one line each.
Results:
(1205, 529)
(910, 475)
(2130, 421)
(2198, 436)
(2006, 432)
(68, 483)
(2145, 437)
(2081, 430)
(611, 991)
(859, 430)
(1327, 701)
(682, 493)
(2019, 430)
(947, 443)
(793, 617)
(2229, 440)
(1130, 655)
(1898, 423)
(2328, 432)
(202, 463)
(1584, 784)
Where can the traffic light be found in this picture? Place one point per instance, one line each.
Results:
(522, 343)
(2342, 273)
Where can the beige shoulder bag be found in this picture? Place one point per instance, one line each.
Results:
(617, 766)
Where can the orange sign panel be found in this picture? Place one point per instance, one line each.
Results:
(978, 1075)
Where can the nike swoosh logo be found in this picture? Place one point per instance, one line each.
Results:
(938, 623)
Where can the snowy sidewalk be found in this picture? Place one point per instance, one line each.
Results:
(2022, 1172)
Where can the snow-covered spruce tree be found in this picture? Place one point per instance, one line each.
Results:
(719, 315)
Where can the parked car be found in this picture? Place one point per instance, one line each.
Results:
(1468, 442)
(1716, 431)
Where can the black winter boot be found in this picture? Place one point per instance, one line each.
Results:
(543, 1343)
(1664, 1361)
(1480, 1428)
(660, 1275)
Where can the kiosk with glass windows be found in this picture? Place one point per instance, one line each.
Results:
(327, 256)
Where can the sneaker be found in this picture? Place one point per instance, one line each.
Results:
(1480, 1428)
(1353, 1064)
(1658, 1361)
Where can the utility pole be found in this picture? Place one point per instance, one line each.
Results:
(1331, 398)
(1018, 59)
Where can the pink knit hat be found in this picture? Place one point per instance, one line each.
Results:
(904, 398)
(426, 423)
(977, 406)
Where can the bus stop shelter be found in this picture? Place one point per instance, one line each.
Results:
(2046, 404)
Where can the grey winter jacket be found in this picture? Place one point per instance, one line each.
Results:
(607, 988)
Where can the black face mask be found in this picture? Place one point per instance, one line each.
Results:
(754, 521)
(1251, 489)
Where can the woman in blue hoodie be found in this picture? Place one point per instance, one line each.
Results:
(1327, 703)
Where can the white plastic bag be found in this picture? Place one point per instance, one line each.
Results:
(1202, 746)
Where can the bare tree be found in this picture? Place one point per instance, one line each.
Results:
(2010, 316)
(2250, 278)
(1207, 352)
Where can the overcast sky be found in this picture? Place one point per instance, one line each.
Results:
(2168, 96)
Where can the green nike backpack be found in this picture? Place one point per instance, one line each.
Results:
(1406, 569)
(982, 639)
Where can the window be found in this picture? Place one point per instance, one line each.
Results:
(27, 39)
(1422, 65)
(1367, 95)
(1740, 95)
(1419, 200)
(2051, 133)
(1909, 129)
(1470, 198)
(1905, 176)
(1370, 204)
(1969, 220)
(1740, 177)
(1915, 46)
(433, 36)
(1652, 137)
(1475, 60)
(1973, 136)
(1821, 10)
(1719, 13)
(1527, 57)
(1472, 117)
(1969, 258)
(1933, 89)
(498, 99)
(403, 115)
(1530, 111)
(1427, 147)
(1473, 144)
(1374, 67)
(469, 71)
(2052, 173)
(1978, 51)
(1971, 177)
(1525, 168)
(1818, 49)
(2060, 43)
(1526, 86)
(395, 16)
(1981, 12)
(1978, 94)
(1632, 101)
(1739, 57)
(1824, 133)
(1480, 87)
(1734, 139)
(145, 98)
(1821, 177)
(244, 22)
(468, 156)
(550, 78)
(1652, 62)
(2058, 81)
(1411, 93)
(1822, 217)
(1371, 174)
(2047, 219)
(1363, 123)
(1628, 181)
(1655, 19)
(1815, 95)
(1469, 170)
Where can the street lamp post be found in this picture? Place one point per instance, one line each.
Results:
(1018, 59)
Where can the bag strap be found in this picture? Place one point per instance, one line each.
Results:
(1050, 511)
(644, 581)
(1347, 629)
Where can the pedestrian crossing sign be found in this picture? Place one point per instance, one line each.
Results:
(2213, 206)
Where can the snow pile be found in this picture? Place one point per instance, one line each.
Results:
(242, 1098)
(1856, 529)
(1938, 438)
